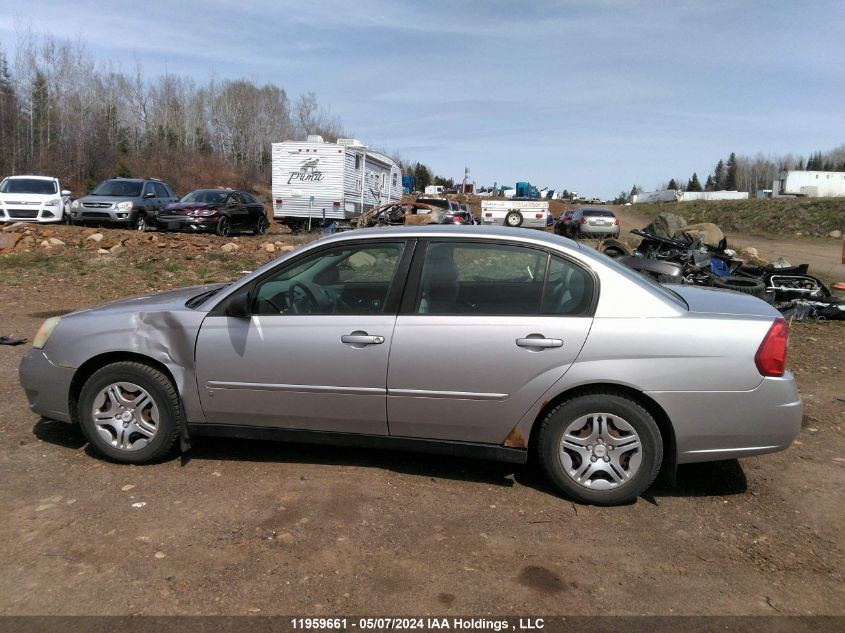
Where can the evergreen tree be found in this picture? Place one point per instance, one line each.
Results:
(422, 177)
(634, 191)
(564, 195)
(719, 176)
(730, 176)
(800, 166)
(708, 186)
(694, 184)
(672, 185)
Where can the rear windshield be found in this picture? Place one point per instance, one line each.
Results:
(435, 202)
(597, 213)
(29, 185)
(126, 188)
(215, 197)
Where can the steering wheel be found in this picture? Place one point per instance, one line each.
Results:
(307, 295)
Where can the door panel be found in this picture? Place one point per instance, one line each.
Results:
(294, 372)
(465, 378)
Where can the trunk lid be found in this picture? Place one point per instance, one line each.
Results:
(718, 301)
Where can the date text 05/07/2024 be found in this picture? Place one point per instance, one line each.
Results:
(417, 624)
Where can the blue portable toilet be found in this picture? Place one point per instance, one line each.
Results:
(409, 184)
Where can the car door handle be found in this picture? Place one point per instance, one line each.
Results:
(361, 338)
(538, 340)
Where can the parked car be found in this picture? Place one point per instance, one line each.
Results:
(452, 211)
(502, 343)
(468, 210)
(131, 202)
(593, 222)
(219, 210)
(562, 221)
(33, 199)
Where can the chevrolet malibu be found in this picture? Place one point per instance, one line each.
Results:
(486, 342)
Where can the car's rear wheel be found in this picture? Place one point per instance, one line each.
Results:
(261, 225)
(130, 412)
(513, 218)
(223, 227)
(600, 448)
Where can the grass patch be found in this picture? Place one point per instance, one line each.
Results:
(811, 217)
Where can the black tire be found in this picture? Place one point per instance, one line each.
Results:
(163, 394)
(224, 226)
(140, 222)
(513, 219)
(746, 285)
(261, 225)
(619, 409)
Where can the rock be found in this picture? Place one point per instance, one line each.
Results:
(95, 237)
(710, 233)
(102, 251)
(54, 241)
(8, 241)
(160, 555)
(117, 249)
(45, 244)
(836, 234)
(229, 248)
(288, 248)
(750, 251)
(667, 224)
(270, 248)
(14, 227)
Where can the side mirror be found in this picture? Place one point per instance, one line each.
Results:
(150, 194)
(239, 305)
(65, 192)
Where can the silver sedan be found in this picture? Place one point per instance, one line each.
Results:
(496, 343)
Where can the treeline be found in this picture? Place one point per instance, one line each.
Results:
(61, 114)
(754, 173)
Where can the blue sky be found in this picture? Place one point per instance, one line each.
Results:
(594, 96)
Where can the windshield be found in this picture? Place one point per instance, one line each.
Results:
(127, 188)
(205, 196)
(29, 185)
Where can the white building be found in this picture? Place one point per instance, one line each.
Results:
(813, 184)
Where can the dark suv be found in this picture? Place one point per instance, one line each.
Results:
(131, 202)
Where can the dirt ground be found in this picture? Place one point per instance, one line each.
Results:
(240, 527)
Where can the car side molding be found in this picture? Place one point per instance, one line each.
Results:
(411, 444)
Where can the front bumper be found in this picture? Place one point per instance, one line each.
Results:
(714, 425)
(187, 223)
(47, 386)
(31, 213)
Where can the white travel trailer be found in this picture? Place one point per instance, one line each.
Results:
(813, 184)
(434, 190)
(316, 183)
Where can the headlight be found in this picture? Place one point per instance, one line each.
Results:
(205, 212)
(74, 204)
(52, 203)
(45, 331)
(124, 206)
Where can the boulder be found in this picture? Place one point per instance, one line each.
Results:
(287, 248)
(102, 251)
(229, 247)
(667, 224)
(117, 249)
(270, 248)
(95, 237)
(710, 233)
(836, 234)
(54, 241)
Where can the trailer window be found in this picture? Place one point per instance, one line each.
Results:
(357, 161)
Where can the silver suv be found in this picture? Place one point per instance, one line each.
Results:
(129, 201)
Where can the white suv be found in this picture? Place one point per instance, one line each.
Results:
(33, 199)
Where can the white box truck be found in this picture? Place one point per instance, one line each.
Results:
(316, 183)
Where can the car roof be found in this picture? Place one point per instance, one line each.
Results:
(219, 190)
(15, 177)
(450, 231)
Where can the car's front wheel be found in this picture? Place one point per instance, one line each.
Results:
(600, 448)
(261, 225)
(130, 412)
(140, 223)
(223, 227)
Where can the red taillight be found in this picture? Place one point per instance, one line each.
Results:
(771, 357)
(582, 221)
(488, 215)
(538, 215)
(617, 222)
(457, 219)
(279, 201)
